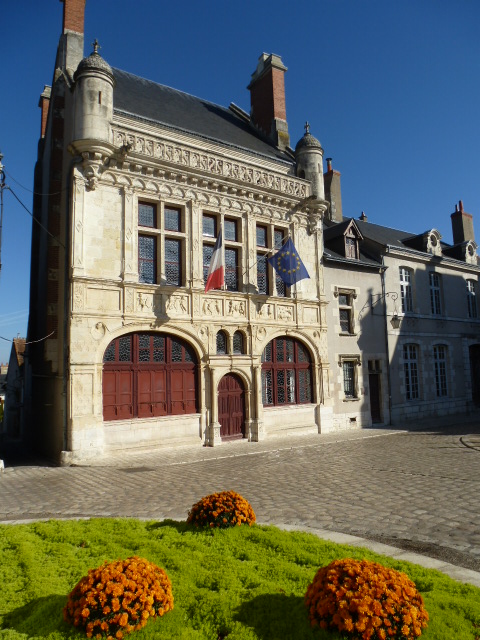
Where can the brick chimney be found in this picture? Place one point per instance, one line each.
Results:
(267, 98)
(44, 104)
(73, 15)
(462, 225)
(70, 47)
(333, 192)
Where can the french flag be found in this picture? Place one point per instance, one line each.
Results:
(216, 271)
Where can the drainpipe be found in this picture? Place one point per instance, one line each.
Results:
(387, 353)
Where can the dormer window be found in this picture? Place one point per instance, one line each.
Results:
(433, 243)
(351, 247)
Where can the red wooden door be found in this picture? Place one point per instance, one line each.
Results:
(231, 407)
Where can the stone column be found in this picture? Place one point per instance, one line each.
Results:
(130, 260)
(213, 430)
(78, 205)
(257, 426)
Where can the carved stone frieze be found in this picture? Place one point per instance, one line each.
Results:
(144, 302)
(285, 313)
(235, 308)
(209, 162)
(212, 307)
(177, 305)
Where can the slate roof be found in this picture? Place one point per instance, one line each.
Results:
(181, 111)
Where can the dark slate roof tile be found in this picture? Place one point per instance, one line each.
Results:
(148, 100)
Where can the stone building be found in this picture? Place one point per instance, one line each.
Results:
(143, 177)
(138, 180)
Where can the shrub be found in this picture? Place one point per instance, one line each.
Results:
(224, 509)
(118, 598)
(366, 601)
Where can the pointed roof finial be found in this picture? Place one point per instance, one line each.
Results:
(96, 46)
(307, 127)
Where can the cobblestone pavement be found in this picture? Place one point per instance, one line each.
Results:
(417, 490)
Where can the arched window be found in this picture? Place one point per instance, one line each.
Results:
(286, 373)
(148, 375)
(238, 343)
(221, 343)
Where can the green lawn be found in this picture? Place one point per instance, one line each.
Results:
(245, 582)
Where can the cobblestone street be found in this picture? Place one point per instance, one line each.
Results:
(416, 490)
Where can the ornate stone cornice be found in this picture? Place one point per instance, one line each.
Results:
(207, 162)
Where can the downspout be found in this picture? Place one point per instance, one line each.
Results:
(387, 354)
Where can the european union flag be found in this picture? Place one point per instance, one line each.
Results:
(288, 265)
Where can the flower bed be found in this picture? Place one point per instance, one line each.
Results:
(224, 509)
(366, 601)
(118, 598)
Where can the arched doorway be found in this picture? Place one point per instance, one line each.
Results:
(231, 407)
(474, 352)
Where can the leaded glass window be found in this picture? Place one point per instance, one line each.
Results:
(221, 343)
(280, 285)
(209, 226)
(173, 219)
(230, 230)
(125, 349)
(147, 214)
(261, 236)
(286, 373)
(231, 269)
(109, 355)
(238, 342)
(262, 274)
(147, 259)
(160, 252)
(173, 267)
(207, 257)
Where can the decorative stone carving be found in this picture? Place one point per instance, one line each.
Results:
(212, 307)
(177, 305)
(208, 162)
(235, 308)
(129, 300)
(98, 331)
(202, 331)
(144, 301)
(266, 311)
(284, 313)
(79, 297)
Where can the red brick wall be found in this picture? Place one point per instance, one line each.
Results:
(73, 15)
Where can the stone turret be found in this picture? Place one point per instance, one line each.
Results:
(309, 157)
(93, 94)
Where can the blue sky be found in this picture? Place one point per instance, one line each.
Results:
(390, 88)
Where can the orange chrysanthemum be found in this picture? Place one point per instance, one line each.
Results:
(224, 509)
(145, 589)
(366, 601)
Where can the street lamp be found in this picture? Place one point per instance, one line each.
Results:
(395, 320)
